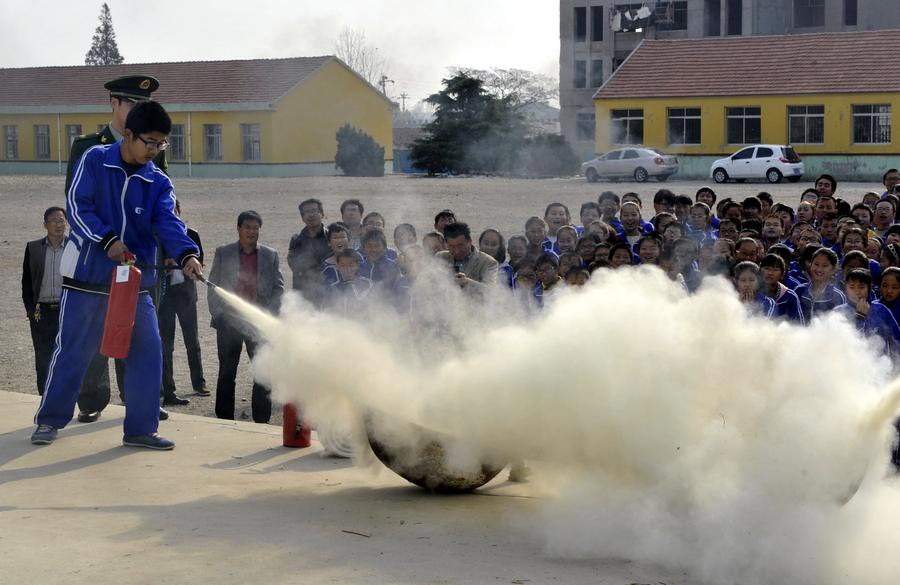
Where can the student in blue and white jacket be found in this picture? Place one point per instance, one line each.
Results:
(118, 201)
(820, 294)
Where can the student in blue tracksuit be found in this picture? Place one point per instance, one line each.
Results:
(872, 319)
(377, 267)
(890, 290)
(820, 294)
(117, 202)
(746, 281)
(787, 304)
(338, 236)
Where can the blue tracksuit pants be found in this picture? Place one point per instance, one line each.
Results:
(81, 320)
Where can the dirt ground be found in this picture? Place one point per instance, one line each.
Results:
(211, 207)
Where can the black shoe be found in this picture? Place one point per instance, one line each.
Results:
(163, 413)
(88, 416)
(201, 391)
(175, 400)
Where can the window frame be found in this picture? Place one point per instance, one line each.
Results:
(816, 20)
(11, 138)
(580, 74)
(597, 23)
(253, 140)
(629, 121)
(177, 144)
(873, 116)
(680, 14)
(730, 114)
(579, 25)
(212, 141)
(73, 131)
(42, 150)
(687, 115)
(596, 72)
(806, 116)
(585, 121)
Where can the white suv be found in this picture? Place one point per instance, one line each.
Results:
(759, 161)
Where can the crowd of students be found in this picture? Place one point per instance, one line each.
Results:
(827, 252)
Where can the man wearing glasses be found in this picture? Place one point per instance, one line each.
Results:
(124, 92)
(42, 287)
(118, 201)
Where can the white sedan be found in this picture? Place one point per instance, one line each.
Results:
(633, 163)
(771, 162)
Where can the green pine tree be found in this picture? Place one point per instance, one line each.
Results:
(104, 50)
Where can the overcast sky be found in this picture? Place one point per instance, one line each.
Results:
(418, 38)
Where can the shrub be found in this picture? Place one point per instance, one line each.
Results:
(358, 155)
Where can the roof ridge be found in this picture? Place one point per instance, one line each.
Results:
(262, 59)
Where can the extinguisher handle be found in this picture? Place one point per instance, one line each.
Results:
(128, 257)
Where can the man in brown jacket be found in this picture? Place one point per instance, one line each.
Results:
(475, 271)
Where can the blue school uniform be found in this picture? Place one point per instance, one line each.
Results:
(763, 306)
(108, 202)
(830, 298)
(384, 271)
(878, 322)
(787, 306)
(893, 307)
(348, 298)
(505, 274)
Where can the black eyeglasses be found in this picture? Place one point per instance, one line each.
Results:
(162, 145)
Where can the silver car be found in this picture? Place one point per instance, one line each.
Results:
(634, 163)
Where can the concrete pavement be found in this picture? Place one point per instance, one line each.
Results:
(230, 505)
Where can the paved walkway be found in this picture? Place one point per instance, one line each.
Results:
(230, 505)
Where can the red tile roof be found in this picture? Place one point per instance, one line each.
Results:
(844, 62)
(186, 82)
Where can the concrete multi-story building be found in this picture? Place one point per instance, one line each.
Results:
(590, 48)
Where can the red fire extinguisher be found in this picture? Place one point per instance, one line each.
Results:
(123, 298)
(294, 432)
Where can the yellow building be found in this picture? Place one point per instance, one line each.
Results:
(264, 117)
(832, 96)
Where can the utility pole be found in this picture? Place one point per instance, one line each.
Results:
(383, 83)
(403, 97)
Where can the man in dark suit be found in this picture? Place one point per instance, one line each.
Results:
(180, 301)
(42, 287)
(124, 92)
(250, 271)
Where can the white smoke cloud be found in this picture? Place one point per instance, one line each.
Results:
(680, 430)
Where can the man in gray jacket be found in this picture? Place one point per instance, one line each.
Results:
(475, 272)
(250, 271)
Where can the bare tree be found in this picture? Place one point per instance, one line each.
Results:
(519, 87)
(104, 50)
(352, 49)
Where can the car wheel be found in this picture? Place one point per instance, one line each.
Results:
(773, 176)
(794, 179)
(662, 178)
(591, 175)
(640, 174)
(720, 176)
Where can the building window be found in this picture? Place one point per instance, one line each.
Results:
(684, 125)
(713, 16)
(806, 124)
(627, 126)
(597, 23)
(176, 143)
(809, 13)
(872, 124)
(580, 24)
(849, 12)
(212, 142)
(744, 125)
(41, 141)
(73, 131)
(672, 16)
(11, 139)
(251, 146)
(625, 24)
(585, 125)
(580, 74)
(596, 72)
(735, 17)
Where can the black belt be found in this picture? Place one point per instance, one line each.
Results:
(50, 305)
(90, 287)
